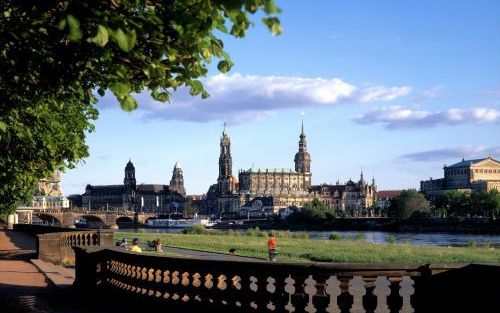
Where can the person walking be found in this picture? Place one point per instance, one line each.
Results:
(271, 247)
(135, 246)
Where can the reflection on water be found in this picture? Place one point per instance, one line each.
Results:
(434, 239)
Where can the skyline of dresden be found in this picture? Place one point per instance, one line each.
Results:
(377, 90)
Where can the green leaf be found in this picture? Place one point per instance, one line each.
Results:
(120, 89)
(224, 66)
(196, 88)
(3, 126)
(101, 39)
(271, 7)
(126, 41)
(128, 103)
(75, 33)
(273, 24)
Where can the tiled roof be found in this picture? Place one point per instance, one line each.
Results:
(385, 194)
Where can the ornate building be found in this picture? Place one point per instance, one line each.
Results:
(467, 175)
(353, 198)
(144, 197)
(48, 195)
(279, 187)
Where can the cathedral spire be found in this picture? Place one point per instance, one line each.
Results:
(302, 158)
(302, 114)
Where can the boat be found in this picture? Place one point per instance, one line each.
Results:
(177, 223)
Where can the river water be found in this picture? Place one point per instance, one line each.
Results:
(433, 239)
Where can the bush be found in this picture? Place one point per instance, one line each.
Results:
(471, 244)
(390, 239)
(334, 236)
(359, 237)
(252, 232)
(300, 235)
(198, 229)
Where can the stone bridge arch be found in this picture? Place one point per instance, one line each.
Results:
(50, 218)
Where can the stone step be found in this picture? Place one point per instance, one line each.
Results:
(56, 275)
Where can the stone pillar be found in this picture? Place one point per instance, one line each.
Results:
(11, 220)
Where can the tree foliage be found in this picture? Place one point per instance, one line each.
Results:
(313, 212)
(476, 203)
(409, 203)
(55, 56)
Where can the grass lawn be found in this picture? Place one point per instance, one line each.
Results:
(303, 250)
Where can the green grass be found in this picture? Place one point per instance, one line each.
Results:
(294, 249)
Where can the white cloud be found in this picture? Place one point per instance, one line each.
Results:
(244, 98)
(397, 117)
(379, 93)
(454, 153)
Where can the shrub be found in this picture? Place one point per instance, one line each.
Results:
(390, 239)
(253, 232)
(300, 235)
(360, 236)
(198, 229)
(334, 236)
(471, 244)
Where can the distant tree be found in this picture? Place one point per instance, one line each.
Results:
(452, 203)
(409, 203)
(476, 203)
(57, 56)
(313, 212)
(188, 210)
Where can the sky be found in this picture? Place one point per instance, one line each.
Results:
(396, 88)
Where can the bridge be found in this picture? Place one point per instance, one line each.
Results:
(94, 218)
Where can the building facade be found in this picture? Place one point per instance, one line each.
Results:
(156, 198)
(48, 195)
(466, 175)
(279, 188)
(352, 198)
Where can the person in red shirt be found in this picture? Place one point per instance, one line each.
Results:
(272, 246)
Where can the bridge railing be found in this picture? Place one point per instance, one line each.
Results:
(154, 282)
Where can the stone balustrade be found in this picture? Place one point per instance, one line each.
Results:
(195, 285)
(57, 247)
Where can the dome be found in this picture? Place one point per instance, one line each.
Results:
(130, 165)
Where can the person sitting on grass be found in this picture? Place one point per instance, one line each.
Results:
(157, 245)
(272, 246)
(124, 244)
(135, 246)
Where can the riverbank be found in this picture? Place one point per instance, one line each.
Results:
(296, 249)
(426, 225)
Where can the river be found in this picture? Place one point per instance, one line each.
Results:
(433, 239)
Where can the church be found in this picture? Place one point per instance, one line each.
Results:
(144, 197)
(278, 188)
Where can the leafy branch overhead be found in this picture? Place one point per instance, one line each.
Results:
(124, 45)
(55, 54)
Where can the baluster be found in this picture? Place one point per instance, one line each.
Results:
(333, 290)
(310, 289)
(357, 290)
(290, 290)
(405, 291)
(382, 291)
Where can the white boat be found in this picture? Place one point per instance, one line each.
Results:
(180, 223)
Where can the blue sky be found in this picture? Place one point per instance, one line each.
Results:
(396, 87)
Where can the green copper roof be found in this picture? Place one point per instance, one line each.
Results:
(270, 170)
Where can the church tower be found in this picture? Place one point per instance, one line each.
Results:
(128, 197)
(177, 181)
(225, 164)
(129, 180)
(302, 158)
